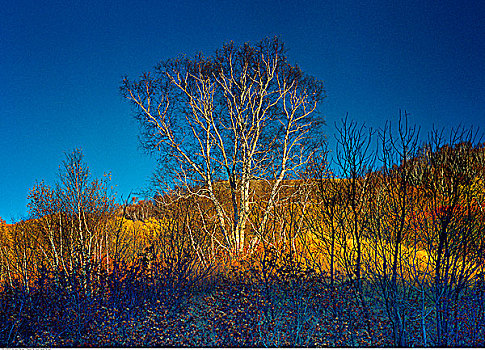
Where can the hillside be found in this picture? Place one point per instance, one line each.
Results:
(391, 257)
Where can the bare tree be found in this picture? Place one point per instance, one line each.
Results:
(326, 216)
(354, 164)
(450, 177)
(22, 255)
(72, 218)
(242, 115)
(393, 198)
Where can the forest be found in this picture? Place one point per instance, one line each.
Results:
(256, 233)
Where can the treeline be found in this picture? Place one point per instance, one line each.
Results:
(369, 246)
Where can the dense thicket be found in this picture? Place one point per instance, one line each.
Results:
(389, 252)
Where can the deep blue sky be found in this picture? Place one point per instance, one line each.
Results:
(61, 64)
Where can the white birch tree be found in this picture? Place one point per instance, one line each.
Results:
(240, 116)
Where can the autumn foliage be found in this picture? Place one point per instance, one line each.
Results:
(372, 257)
(254, 233)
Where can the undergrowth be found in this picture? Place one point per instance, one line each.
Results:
(267, 301)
